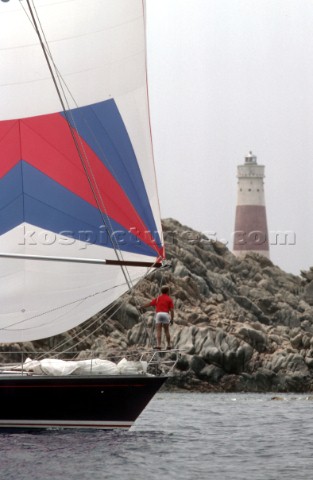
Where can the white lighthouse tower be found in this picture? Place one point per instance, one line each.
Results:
(251, 234)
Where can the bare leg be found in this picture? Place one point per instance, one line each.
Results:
(159, 334)
(167, 334)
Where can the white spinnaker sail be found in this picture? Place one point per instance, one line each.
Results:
(78, 184)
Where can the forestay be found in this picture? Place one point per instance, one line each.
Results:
(77, 179)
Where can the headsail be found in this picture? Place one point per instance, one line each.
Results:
(77, 180)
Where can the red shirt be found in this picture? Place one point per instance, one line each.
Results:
(163, 303)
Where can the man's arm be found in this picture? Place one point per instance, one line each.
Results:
(146, 305)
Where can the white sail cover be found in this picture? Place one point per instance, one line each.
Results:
(77, 179)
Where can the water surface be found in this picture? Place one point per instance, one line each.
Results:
(178, 436)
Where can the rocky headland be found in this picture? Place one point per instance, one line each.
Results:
(241, 324)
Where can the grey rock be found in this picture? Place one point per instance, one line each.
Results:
(308, 293)
(197, 364)
(255, 338)
(211, 373)
(241, 324)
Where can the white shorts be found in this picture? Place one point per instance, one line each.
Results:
(162, 317)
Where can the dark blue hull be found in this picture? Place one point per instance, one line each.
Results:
(36, 402)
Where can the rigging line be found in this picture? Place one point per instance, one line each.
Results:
(83, 158)
(64, 305)
(76, 143)
(88, 325)
(85, 329)
(148, 332)
(102, 211)
(92, 321)
(142, 317)
(149, 114)
(63, 84)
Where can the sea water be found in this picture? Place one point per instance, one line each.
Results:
(178, 436)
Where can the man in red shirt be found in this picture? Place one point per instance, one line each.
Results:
(164, 308)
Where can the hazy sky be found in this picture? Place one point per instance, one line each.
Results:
(227, 77)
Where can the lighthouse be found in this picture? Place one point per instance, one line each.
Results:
(251, 234)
